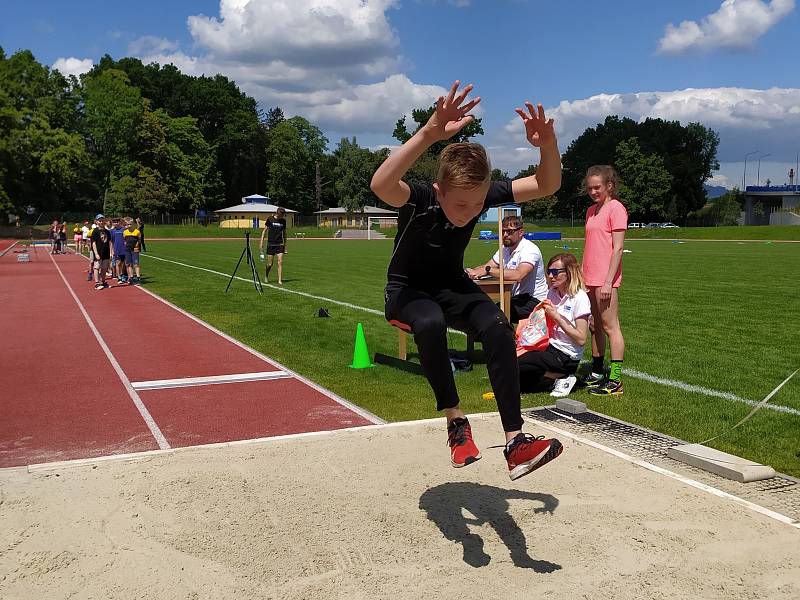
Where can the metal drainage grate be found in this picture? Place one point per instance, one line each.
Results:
(780, 493)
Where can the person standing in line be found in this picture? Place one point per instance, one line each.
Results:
(275, 232)
(62, 238)
(140, 227)
(428, 290)
(77, 237)
(132, 248)
(118, 241)
(101, 247)
(606, 224)
(522, 266)
(52, 236)
(85, 242)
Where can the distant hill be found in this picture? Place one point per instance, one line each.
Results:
(715, 191)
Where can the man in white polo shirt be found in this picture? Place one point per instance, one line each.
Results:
(522, 264)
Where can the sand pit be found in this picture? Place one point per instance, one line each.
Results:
(380, 513)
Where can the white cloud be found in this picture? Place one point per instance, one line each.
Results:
(150, 45)
(737, 24)
(336, 62)
(745, 119)
(73, 66)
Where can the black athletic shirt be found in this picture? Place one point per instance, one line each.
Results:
(428, 249)
(276, 234)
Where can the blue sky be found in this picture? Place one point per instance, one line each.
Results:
(354, 66)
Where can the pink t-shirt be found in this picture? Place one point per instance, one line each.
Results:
(612, 216)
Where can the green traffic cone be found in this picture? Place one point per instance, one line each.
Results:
(360, 352)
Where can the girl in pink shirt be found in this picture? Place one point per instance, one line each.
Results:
(606, 224)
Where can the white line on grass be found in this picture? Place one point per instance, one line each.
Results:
(629, 372)
(706, 391)
(148, 418)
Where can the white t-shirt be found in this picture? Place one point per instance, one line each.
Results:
(526, 252)
(571, 308)
(85, 232)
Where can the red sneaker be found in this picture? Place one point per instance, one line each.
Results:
(527, 453)
(463, 450)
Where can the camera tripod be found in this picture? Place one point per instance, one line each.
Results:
(251, 262)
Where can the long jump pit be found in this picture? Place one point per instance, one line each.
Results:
(378, 512)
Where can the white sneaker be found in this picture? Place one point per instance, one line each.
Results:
(563, 386)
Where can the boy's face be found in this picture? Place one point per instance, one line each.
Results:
(460, 206)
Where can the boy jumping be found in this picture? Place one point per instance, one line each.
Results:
(428, 289)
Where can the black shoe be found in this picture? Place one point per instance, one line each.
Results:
(607, 388)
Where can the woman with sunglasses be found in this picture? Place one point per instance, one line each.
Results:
(567, 306)
(606, 224)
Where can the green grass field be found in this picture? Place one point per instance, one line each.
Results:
(721, 315)
(767, 232)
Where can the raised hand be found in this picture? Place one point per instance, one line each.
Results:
(450, 117)
(538, 129)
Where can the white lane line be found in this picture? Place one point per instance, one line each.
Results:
(705, 391)
(274, 287)
(7, 250)
(162, 384)
(630, 372)
(148, 418)
(325, 392)
(672, 475)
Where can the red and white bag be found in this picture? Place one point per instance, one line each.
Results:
(533, 333)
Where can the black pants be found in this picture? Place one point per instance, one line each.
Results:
(533, 366)
(521, 307)
(461, 305)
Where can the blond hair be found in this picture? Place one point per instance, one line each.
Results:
(606, 173)
(574, 274)
(463, 165)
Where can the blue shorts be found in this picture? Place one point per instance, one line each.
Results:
(132, 258)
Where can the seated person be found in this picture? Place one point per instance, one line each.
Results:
(567, 306)
(522, 265)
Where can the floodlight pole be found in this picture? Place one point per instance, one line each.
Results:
(744, 173)
(758, 172)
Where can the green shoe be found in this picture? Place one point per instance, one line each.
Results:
(592, 380)
(607, 388)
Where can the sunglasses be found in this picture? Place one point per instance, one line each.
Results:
(511, 230)
(555, 272)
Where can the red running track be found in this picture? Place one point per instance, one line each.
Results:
(64, 396)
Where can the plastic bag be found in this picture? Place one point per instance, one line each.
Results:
(533, 333)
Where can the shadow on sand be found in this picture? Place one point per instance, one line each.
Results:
(488, 504)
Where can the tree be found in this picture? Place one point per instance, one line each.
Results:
(644, 182)
(142, 193)
(295, 145)
(286, 156)
(176, 149)
(353, 171)
(424, 169)
(41, 161)
(688, 154)
(273, 117)
(113, 112)
(540, 209)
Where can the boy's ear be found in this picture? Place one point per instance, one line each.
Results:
(438, 190)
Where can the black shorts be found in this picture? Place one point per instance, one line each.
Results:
(273, 249)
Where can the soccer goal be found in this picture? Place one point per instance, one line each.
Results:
(376, 224)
